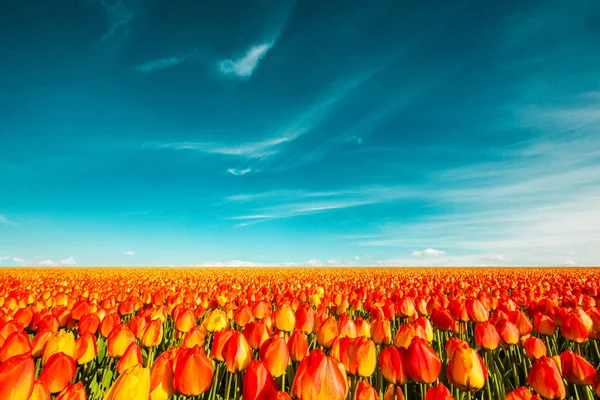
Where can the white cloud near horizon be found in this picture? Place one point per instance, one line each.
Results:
(46, 262)
(129, 253)
(245, 66)
(428, 253)
(68, 261)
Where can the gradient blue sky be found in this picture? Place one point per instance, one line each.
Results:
(300, 132)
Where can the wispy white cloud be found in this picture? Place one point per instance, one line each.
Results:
(239, 172)
(334, 261)
(120, 16)
(428, 253)
(163, 63)
(68, 261)
(287, 204)
(19, 260)
(255, 150)
(245, 66)
(129, 253)
(47, 262)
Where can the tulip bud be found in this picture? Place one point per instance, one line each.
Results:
(364, 391)
(58, 372)
(152, 333)
(17, 376)
(275, 354)
(575, 329)
(327, 332)
(258, 384)
(131, 358)
(421, 362)
(59, 342)
(362, 357)
(393, 393)
(161, 378)
(320, 377)
(216, 321)
(298, 346)
(185, 321)
(486, 336)
(545, 379)
(16, 343)
(119, 340)
(86, 348)
(576, 369)
(193, 372)
(285, 320)
(73, 392)
(390, 361)
(544, 325)
(466, 370)
(381, 331)
(237, 353)
(440, 392)
(40, 391)
(133, 384)
(534, 347)
(520, 393)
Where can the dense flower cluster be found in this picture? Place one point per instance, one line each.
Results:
(307, 334)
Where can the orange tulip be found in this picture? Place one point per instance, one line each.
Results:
(305, 319)
(237, 353)
(16, 343)
(545, 379)
(454, 344)
(476, 310)
(258, 384)
(216, 321)
(39, 343)
(275, 354)
(486, 336)
(466, 370)
(327, 332)
(17, 376)
(439, 392)
(256, 333)
(40, 391)
(119, 340)
(393, 393)
(59, 342)
(86, 348)
(73, 392)
(381, 331)
(534, 347)
(575, 329)
(420, 361)
(508, 332)
(131, 358)
(298, 346)
(390, 361)
(441, 319)
(88, 323)
(362, 357)
(108, 324)
(320, 377)
(576, 369)
(193, 372)
(133, 384)
(364, 391)
(58, 372)
(285, 320)
(544, 325)
(152, 333)
(186, 320)
(161, 378)
(520, 393)
(194, 337)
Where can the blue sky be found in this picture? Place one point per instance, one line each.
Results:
(300, 132)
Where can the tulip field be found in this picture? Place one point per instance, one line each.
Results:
(299, 333)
